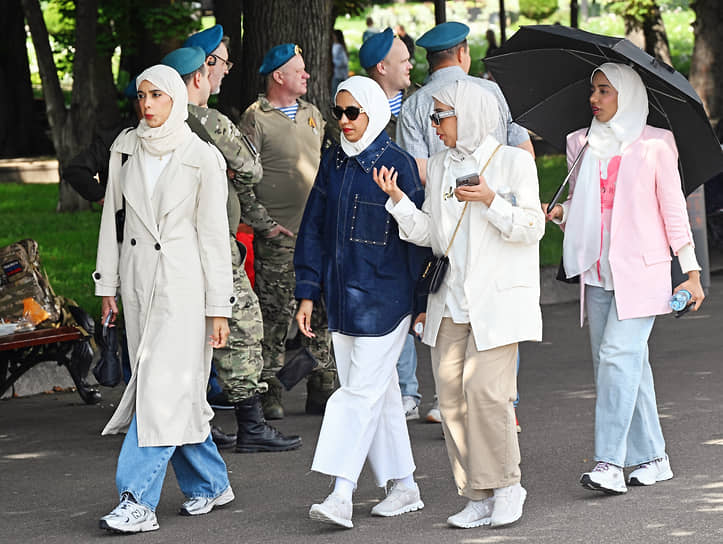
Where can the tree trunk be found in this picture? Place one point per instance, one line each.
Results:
(706, 70)
(228, 14)
(103, 86)
(17, 122)
(267, 24)
(650, 35)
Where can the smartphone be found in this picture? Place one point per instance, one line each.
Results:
(470, 179)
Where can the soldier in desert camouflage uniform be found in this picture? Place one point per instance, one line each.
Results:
(288, 133)
(239, 364)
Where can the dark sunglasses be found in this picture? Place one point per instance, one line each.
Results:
(351, 112)
(437, 116)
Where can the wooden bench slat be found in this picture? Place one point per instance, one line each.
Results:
(38, 337)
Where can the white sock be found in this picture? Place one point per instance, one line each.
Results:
(407, 482)
(344, 488)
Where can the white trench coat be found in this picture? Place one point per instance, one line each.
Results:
(174, 272)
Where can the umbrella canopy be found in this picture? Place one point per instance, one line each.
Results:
(544, 72)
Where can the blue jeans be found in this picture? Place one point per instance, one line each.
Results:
(407, 370)
(627, 427)
(199, 468)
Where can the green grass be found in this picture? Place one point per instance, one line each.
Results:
(67, 241)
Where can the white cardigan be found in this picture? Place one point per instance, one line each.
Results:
(502, 279)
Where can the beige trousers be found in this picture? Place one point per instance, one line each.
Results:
(476, 390)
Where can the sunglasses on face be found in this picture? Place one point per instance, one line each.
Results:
(351, 112)
(437, 116)
(215, 58)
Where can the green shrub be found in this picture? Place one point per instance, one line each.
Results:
(538, 9)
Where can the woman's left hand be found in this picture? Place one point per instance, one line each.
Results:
(220, 332)
(475, 193)
(694, 287)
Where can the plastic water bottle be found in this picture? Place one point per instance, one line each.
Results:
(679, 301)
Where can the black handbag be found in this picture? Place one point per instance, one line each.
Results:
(107, 370)
(435, 268)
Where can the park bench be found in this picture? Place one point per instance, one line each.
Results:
(21, 351)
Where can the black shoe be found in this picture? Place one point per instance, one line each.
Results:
(320, 385)
(222, 440)
(271, 400)
(255, 435)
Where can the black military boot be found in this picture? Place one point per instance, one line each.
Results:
(222, 440)
(271, 400)
(255, 435)
(320, 384)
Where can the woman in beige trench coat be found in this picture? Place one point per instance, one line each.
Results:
(173, 270)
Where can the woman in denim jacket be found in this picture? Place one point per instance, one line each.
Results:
(349, 251)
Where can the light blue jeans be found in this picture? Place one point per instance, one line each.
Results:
(627, 427)
(199, 468)
(407, 370)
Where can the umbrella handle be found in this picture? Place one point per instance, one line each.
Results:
(564, 183)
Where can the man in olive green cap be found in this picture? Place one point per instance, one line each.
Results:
(239, 364)
(288, 132)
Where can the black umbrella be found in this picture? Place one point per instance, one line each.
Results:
(544, 72)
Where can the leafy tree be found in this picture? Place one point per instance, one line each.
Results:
(706, 69)
(538, 9)
(644, 26)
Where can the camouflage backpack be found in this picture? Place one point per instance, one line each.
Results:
(21, 276)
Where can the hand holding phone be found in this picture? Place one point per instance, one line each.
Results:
(469, 179)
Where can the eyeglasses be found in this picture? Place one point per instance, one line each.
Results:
(437, 116)
(351, 112)
(216, 58)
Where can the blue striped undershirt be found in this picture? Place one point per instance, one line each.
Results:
(395, 104)
(290, 111)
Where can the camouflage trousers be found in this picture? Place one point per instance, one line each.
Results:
(275, 284)
(240, 363)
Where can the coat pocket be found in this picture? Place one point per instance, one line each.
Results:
(370, 222)
(656, 257)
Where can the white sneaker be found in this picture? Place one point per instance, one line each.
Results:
(434, 415)
(196, 506)
(129, 517)
(475, 514)
(507, 507)
(334, 510)
(652, 472)
(411, 410)
(606, 478)
(399, 500)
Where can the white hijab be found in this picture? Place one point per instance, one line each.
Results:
(582, 242)
(174, 131)
(371, 97)
(477, 115)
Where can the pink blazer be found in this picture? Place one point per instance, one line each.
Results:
(649, 218)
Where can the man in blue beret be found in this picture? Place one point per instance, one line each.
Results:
(240, 363)
(288, 132)
(386, 60)
(215, 45)
(449, 60)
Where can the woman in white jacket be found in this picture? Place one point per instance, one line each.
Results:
(173, 271)
(489, 299)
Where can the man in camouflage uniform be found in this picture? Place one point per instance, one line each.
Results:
(288, 132)
(239, 364)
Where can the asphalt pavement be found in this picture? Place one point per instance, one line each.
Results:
(57, 472)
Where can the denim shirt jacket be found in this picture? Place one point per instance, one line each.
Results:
(349, 246)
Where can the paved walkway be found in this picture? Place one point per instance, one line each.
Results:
(57, 473)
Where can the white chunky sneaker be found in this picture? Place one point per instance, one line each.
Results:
(411, 410)
(606, 478)
(335, 510)
(129, 517)
(399, 500)
(196, 506)
(434, 415)
(507, 507)
(652, 472)
(475, 514)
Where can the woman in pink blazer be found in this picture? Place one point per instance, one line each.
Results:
(624, 213)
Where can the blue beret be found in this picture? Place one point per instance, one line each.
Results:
(277, 56)
(207, 40)
(376, 48)
(443, 36)
(130, 91)
(185, 60)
